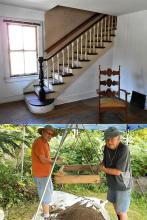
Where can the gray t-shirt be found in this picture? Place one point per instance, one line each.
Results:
(118, 159)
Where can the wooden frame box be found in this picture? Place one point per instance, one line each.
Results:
(62, 176)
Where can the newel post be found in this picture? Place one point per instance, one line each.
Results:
(41, 80)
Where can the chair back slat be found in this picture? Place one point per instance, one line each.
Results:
(109, 82)
(109, 93)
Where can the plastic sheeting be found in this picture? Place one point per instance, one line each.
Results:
(62, 200)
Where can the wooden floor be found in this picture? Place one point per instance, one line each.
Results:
(84, 112)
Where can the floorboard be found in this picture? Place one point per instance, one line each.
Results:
(84, 112)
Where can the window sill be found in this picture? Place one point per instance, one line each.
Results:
(21, 78)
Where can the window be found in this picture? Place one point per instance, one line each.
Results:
(22, 49)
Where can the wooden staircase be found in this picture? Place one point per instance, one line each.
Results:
(65, 61)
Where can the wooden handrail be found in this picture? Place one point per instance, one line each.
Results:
(54, 46)
(71, 33)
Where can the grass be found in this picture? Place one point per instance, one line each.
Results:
(23, 211)
(137, 210)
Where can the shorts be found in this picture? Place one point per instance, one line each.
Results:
(41, 183)
(121, 199)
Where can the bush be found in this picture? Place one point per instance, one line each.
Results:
(13, 188)
(139, 164)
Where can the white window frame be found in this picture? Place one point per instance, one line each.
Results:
(5, 39)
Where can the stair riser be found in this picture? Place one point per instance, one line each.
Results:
(40, 109)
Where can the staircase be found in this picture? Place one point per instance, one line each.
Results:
(68, 59)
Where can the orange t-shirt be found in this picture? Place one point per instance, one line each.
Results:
(40, 147)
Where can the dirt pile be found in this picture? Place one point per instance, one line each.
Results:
(80, 212)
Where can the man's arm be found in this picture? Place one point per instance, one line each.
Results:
(44, 159)
(111, 171)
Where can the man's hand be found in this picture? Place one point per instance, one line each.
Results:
(44, 160)
(101, 167)
(111, 171)
(58, 161)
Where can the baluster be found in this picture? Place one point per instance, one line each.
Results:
(63, 63)
(86, 38)
(77, 52)
(108, 34)
(90, 38)
(50, 86)
(58, 68)
(111, 26)
(94, 38)
(53, 70)
(115, 22)
(72, 52)
(81, 47)
(105, 29)
(68, 59)
(97, 35)
(47, 71)
(101, 39)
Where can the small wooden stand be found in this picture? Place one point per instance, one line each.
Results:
(62, 177)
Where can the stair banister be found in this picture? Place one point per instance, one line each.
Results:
(90, 33)
(49, 50)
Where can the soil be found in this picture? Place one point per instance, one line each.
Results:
(80, 212)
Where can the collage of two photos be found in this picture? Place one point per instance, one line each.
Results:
(73, 110)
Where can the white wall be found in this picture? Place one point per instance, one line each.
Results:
(130, 51)
(65, 20)
(13, 90)
(85, 86)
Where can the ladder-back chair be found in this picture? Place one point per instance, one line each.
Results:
(109, 93)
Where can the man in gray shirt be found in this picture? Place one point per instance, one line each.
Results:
(116, 165)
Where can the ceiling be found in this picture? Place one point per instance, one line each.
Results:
(115, 7)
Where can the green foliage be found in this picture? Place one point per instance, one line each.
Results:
(138, 148)
(12, 137)
(82, 150)
(13, 188)
(139, 164)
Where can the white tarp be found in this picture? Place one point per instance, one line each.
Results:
(63, 200)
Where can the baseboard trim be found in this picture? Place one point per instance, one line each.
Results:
(11, 99)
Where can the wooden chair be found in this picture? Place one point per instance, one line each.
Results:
(109, 93)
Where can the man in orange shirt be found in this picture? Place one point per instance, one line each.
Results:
(42, 165)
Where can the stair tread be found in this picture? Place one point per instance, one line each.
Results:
(47, 90)
(61, 73)
(33, 99)
(70, 66)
